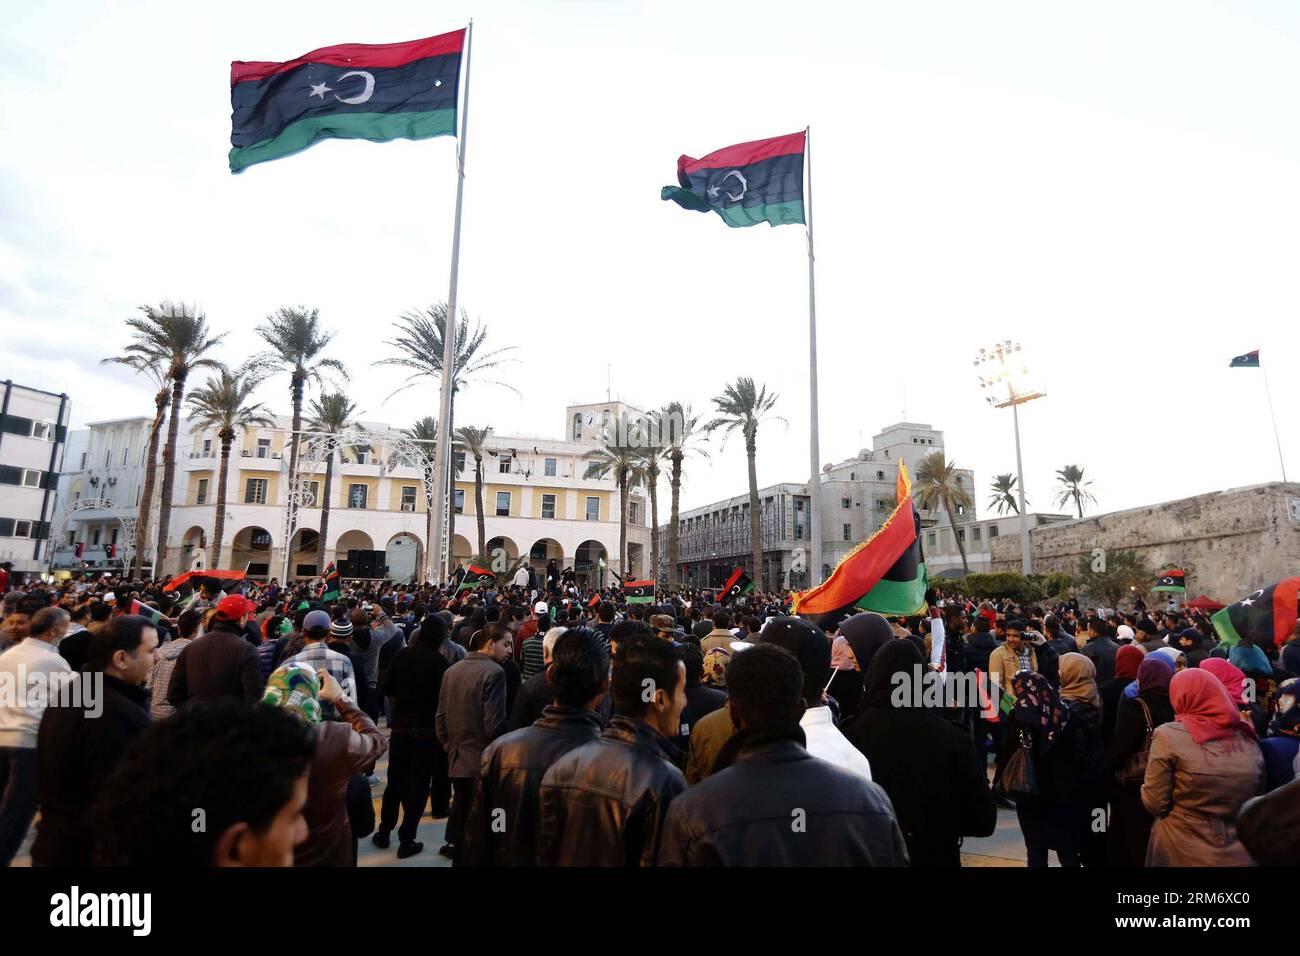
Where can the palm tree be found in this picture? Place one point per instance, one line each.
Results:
(1073, 488)
(680, 433)
(223, 404)
(419, 344)
(296, 341)
(744, 405)
(176, 338)
(938, 483)
(473, 441)
(1004, 495)
(330, 413)
(425, 432)
(161, 398)
(624, 464)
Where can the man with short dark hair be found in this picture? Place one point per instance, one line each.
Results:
(81, 741)
(1100, 649)
(770, 802)
(603, 804)
(505, 819)
(720, 636)
(471, 714)
(251, 763)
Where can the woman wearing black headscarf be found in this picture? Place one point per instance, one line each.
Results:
(926, 764)
(1130, 824)
(863, 635)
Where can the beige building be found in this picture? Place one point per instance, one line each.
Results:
(1229, 542)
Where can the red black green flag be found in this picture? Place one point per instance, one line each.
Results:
(738, 584)
(1266, 616)
(1173, 581)
(639, 592)
(329, 588)
(372, 91)
(474, 577)
(745, 184)
(1249, 360)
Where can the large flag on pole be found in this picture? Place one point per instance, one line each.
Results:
(886, 573)
(745, 184)
(372, 91)
(1249, 360)
(1266, 616)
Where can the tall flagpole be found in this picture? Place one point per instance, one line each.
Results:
(1273, 415)
(815, 485)
(434, 556)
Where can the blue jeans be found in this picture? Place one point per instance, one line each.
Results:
(17, 798)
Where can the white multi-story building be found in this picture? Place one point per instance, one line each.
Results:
(537, 502)
(857, 496)
(33, 432)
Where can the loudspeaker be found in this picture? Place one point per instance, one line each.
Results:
(369, 568)
(345, 569)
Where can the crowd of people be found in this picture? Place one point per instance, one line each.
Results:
(555, 724)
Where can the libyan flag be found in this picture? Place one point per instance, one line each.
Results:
(738, 584)
(1249, 360)
(745, 184)
(330, 584)
(1266, 616)
(1173, 581)
(639, 592)
(886, 573)
(476, 576)
(373, 91)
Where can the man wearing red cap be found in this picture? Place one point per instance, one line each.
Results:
(220, 663)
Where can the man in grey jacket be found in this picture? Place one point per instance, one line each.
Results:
(472, 714)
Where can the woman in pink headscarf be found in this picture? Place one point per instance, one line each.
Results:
(1203, 766)
(1234, 680)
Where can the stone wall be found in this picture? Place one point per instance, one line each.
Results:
(1229, 542)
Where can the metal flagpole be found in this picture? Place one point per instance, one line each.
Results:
(433, 549)
(1273, 415)
(815, 486)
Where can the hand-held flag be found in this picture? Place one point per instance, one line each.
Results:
(372, 91)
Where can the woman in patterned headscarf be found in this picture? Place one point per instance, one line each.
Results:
(344, 748)
(1041, 724)
(1282, 745)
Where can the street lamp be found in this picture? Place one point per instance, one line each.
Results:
(1001, 362)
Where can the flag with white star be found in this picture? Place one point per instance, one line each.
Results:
(372, 91)
(745, 184)
(1266, 616)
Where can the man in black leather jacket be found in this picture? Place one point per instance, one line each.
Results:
(772, 803)
(604, 804)
(504, 823)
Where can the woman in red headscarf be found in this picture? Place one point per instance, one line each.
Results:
(1203, 766)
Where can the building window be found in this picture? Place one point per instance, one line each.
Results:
(460, 501)
(31, 478)
(264, 448)
(846, 503)
(880, 476)
(311, 494)
(848, 532)
(255, 491)
(43, 431)
(94, 537)
(577, 427)
(207, 448)
(631, 512)
(408, 497)
(593, 509)
(961, 535)
(503, 504)
(83, 461)
(975, 533)
(108, 457)
(113, 536)
(201, 496)
(363, 456)
(125, 452)
(357, 496)
(460, 462)
(22, 529)
(929, 539)
(549, 469)
(993, 531)
(548, 506)
(503, 464)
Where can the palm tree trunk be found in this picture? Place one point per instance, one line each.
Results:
(478, 505)
(169, 477)
(952, 523)
(674, 545)
(295, 389)
(654, 530)
(622, 527)
(150, 479)
(755, 534)
(1078, 501)
(219, 525)
(325, 512)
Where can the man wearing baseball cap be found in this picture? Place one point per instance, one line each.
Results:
(317, 632)
(220, 664)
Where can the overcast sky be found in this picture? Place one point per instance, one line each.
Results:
(1114, 184)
